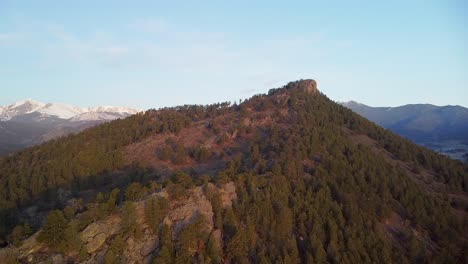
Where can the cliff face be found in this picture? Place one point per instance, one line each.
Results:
(310, 86)
(98, 236)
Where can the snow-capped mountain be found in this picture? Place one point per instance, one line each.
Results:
(40, 111)
(19, 108)
(113, 109)
(98, 116)
(29, 122)
(63, 111)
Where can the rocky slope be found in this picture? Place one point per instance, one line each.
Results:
(307, 180)
(97, 236)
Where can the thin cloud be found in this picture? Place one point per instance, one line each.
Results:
(177, 49)
(151, 25)
(6, 38)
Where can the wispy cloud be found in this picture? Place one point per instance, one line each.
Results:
(158, 45)
(151, 25)
(100, 48)
(6, 38)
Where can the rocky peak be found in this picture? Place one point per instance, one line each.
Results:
(309, 85)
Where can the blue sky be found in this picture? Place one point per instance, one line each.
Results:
(150, 54)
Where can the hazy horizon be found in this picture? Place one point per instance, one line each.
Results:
(157, 54)
(234, 101)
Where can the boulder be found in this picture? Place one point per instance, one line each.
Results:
(149, 246)
(96, 242)
(97, 233)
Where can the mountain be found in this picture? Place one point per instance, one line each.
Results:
(441, 128)
(19, 108)
(29, 122)
(104, 113)
(283, 177)
(41, 111)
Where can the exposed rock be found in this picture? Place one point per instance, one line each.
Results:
(29, 247)
(164, 193)
(96, 242)
(96, 236)
(217, 237)
(184, 212)
(309, 86)
(97, 233)
(228, 194)
(58, 259)
(149, 246)
(137, 251)
(96, 258)
(132, 252)
(55, 259)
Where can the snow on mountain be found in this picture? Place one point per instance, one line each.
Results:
(19, 108)
(60, 110)
(98, 116)
(113, 109)
(350, 104)
(63, 111)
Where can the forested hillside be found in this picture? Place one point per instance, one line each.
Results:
(309, 181)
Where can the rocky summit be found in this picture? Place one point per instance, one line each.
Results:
(284, 177)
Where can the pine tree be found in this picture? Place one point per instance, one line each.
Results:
(53, 231)
(213, 250)
(129, 224)
(115, 250)
(166, 249)
(72, 237)
(155, 210)
(19, 233)
(134, 192)
(111, 202)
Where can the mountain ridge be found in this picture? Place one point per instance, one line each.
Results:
(29, 122)
(356, 103)
(441, 128)
(313, 181)
(59, 110)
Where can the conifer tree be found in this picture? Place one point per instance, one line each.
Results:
(166, 249)
(53, 231)
(129, 224)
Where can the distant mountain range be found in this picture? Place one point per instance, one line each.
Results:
(29, 122)
(441, 128)
(284, 177)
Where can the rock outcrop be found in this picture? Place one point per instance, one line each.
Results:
(228, 194)
(310, 86)
(97, 236)
(184, 212)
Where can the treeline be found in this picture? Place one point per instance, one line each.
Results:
(333, 209)
(70, 162)
(87, 159)
(448, 171)
(306, 192)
